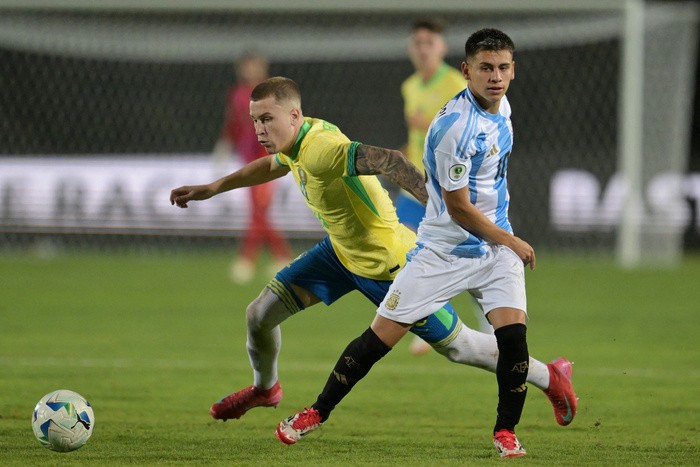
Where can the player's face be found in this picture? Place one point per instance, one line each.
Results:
(426, 49)
(276, 124)
(253, 70)
(489, 73)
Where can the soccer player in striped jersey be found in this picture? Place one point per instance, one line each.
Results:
(365, 247)
(433, 83)
(465, 244)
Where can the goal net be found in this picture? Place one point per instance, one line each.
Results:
(108, 105)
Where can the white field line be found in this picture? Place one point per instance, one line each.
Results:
(241, 364)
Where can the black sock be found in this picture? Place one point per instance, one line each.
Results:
(511, 374)
(354, 363)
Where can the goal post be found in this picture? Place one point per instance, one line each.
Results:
(631, 133)
(654, 129)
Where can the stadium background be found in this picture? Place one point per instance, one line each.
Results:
(66, 99)
(154, 334)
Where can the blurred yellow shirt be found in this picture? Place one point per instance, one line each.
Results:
(425, 99)
(355, 211)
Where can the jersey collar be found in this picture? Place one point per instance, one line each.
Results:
(480, 110)
(297, 144)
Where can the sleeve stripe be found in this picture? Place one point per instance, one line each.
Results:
(352, 152)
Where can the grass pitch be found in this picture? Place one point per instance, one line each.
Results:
(152, 341)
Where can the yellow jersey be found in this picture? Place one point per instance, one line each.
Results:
(355, 210)
(426, 99)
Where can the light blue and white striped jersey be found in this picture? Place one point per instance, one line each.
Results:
(466, 146)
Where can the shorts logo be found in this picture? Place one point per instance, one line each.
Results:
(393, 300)
(457, 171)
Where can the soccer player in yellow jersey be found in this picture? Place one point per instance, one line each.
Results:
(365, 248)
(424, 93)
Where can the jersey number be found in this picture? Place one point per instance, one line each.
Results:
(502, 167)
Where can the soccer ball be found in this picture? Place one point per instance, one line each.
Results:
(63, 420)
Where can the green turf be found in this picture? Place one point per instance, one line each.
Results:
(152, 341)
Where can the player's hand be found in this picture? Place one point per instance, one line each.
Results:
(181, 196)
(524, 251)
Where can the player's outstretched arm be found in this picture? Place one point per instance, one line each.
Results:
(182, 195)
(259, 171)
(372, 160)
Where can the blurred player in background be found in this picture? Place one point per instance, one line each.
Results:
(465, 244)
(364, 250)
(432, 84)
(238, 134)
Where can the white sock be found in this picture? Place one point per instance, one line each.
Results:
(478, 349)
(263, 350)
(538, 374)
(264, 341)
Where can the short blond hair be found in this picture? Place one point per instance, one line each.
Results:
(281, 88)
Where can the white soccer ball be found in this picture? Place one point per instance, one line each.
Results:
(63, 420)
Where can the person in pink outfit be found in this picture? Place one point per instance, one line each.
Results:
(238, 134)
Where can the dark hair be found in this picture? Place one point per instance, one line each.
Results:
(431, 24)
(488, 39)
(278, 86)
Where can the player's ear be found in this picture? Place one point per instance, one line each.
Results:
(294, 115)
(512, 72)
(465, 70)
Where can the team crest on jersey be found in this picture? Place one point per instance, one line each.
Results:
(393, 300)
(457, 171)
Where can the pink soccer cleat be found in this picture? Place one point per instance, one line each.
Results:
(507, 444)
(238, 403)
(292, 429)
(561, 392)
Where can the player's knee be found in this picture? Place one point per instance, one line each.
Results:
(258, 315)
(255, 316)
(471, 348)
(462, 354)
(265, 312)
(453, 354)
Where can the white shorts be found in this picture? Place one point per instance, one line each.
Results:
(430, 279)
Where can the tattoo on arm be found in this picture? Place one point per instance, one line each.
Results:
(371, 160)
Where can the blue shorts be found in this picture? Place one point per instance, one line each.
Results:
(409, 211)
(319, 271)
